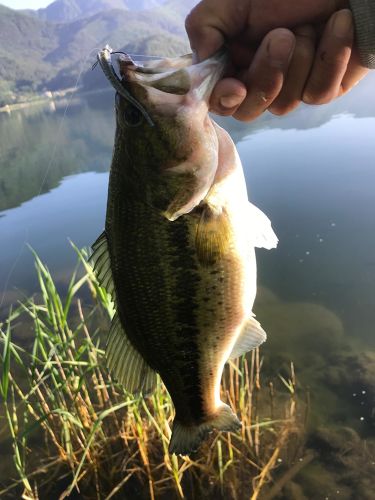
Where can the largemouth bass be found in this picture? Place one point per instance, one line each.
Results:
(177, 253)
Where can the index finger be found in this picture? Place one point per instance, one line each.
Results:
(212, 22)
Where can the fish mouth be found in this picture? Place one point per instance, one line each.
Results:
(105, 60)
(177, 76)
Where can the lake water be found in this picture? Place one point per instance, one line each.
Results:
(312, 173)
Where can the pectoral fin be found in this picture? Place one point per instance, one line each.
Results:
(213, 235)
(252, 335)
(262, 234)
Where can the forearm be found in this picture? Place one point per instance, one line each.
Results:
(364, 17)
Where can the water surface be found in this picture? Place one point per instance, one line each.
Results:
(312, 172)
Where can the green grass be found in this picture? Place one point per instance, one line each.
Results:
(73, 428)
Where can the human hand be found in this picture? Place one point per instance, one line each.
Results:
(287, 66)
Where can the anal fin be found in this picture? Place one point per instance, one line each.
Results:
(252, 335)
(126, 364)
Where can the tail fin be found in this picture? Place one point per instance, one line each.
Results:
(186, 439)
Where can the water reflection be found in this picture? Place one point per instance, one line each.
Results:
(74, 211)
(41, 146)
(359, 103)
(312, 173)
(318, 190)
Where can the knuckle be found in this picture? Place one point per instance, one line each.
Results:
(318, 96)
(345, 87)
(334, 60)
(342, 91)
(280, 108)
(190, 22)
(267, 86)
(246, 115)
(304, 51)
(262, 97)
(218, 110)
(321, 88)
(305, 32)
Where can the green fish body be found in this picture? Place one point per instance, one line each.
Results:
(177, 252)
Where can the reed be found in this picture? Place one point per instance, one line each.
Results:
(74, 429)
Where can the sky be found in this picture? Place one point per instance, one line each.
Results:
(26, 4)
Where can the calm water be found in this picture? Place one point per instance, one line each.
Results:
(312, 172)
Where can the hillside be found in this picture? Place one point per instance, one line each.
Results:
(58, 53)
(62, 11)
(24, 44)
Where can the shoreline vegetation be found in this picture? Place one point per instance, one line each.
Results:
(74, 429)
(48, 97)
(60, 49)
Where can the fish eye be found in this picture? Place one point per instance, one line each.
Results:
(132, 116)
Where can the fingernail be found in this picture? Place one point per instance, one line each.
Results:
(230, 101)
(343, 23)
(280, 50)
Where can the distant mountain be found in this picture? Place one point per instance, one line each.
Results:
(62, 11)
(37, 55)
(24, 44)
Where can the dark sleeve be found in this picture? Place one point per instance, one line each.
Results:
(364, 18)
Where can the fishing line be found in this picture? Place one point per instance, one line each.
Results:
(83, 64)
(143, 56)
(59, 129)
(53, 156)
(13, 267)
(135, 57)
(50, 163)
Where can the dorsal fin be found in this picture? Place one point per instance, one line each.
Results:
(123, 360)
(252, 335)
(102, 264)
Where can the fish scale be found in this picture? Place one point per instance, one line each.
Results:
(168, 312)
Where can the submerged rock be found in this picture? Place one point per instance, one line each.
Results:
(344, 468)
(304, 332)
(353, 378)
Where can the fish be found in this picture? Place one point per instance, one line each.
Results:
(177, 253)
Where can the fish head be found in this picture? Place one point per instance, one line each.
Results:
(169, 142)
